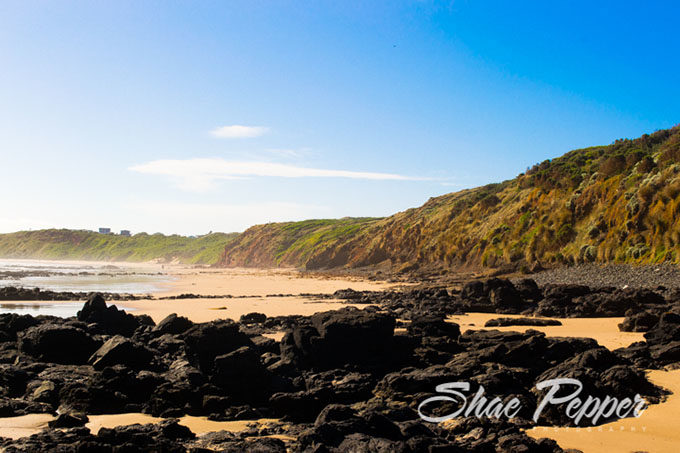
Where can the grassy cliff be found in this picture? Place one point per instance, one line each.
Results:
(86, 245)
(613, 203)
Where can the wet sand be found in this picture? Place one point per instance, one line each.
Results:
(23, 425)
(203, 310)
(258, 282)
(604, 330)
(197, 310)
(261, 285)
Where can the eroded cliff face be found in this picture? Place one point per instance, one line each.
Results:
(614, 203)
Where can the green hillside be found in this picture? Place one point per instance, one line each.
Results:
(613, 203)
(87, 245)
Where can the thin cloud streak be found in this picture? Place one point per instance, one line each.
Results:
(203, 174)
(239, 131)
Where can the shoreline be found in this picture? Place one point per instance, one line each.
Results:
(239, 282)
(262, 291)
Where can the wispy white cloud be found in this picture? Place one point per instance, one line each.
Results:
(284, 152)
(203, 174)
(238, 131)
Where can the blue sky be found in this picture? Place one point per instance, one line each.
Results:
(185, 117)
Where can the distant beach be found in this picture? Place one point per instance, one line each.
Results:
(83, 276)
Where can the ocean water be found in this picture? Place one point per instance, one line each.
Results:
(82, 276)
(61, 309)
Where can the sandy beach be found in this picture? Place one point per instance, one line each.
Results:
(278, 292)
(263, 286)
(257, 282)
(604, 330)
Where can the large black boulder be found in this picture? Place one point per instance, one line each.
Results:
(241, 374)
(253, 318)
(57, 344)
(495, 295)
(13, 380)
(336, 338)
(638, 321)
(666, 330)
(11, 323)
(208, 340)
(173, 324)
(425, 325)
(122, 351)
(356, 326)
(528, 290)
(109, 320)
(68, 420)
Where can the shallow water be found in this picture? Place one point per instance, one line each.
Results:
(61, 309)
(82, 276)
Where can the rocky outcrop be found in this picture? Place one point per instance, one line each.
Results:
(173, 324)
(343, 380)
(108, 320)
(506, 322)
(208, 340)
(122, 351)
(567, 210)
(57, 343)
(332, 339)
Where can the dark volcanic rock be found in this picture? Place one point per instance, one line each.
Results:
(165, 437)
(665, 331)
(13, 380)
(209, 340)
(360, 326)
(345, 375)
(601, 373)
(253, 318)
(528, 290)
(109, 320)
(68, 420)
(242, 375)
(432, 326)
(667, 353)
(638, 322)
(333, 386)
(121, 351)
(173, 324)
(582, 301)
(504, 322)
(498, 295)
(340, 337)
(57, 344)
(12, 323)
